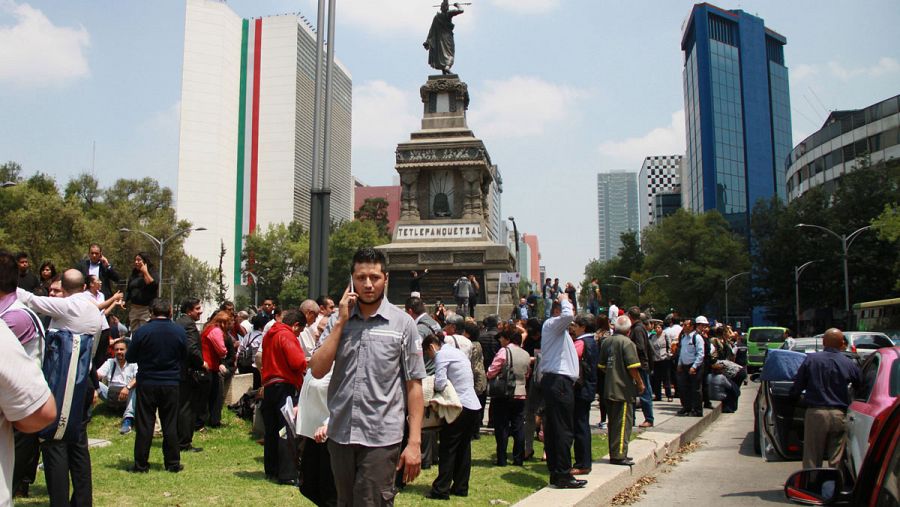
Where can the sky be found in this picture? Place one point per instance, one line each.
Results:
(560, 89)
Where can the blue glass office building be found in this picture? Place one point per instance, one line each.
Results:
(737, 113)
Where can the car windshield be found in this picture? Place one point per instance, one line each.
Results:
(766, 335)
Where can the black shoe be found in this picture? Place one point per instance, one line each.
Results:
(682, 412)
(625, 461)
(289, 482)
(696, 413)
(191, 449)
(137, 470)
(175, 468)
(568, 483)
(431, 495)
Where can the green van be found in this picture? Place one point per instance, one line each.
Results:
(758, 340)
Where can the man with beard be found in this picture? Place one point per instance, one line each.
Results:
(372, 339)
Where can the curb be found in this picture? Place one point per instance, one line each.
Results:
(648, 449)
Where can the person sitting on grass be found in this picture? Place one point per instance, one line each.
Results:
(116, 384)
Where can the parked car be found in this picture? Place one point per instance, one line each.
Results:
(876, 484)
(758, 340)
(864, 342)
(808, 344)
(879, 390)
(777, 418)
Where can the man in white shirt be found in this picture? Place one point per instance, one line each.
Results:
(316, 321)
(75, 311)
(25, 403)
(559, 369)
(119, 376)
(613, 311)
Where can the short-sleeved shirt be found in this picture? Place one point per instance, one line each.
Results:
(618, 354)
(23, 391)
(367, 393)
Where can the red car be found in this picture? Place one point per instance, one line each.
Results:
(879, 390)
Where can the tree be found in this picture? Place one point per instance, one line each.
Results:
(279, 257)
(346, 239)
(376, 210)
(631, 258)
(887, 225)
(698, 252)
(221, 285)
(10, 171)
(84, 189)
(194, 278)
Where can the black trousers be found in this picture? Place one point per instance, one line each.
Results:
(689, 389)
(279, 458)
(63, 460)
(216, 399)
(662, 378)
(455, 456)
(28, 451)
(151, 399)
(316, 478)
(582, 433)
(509, 421)
(559, 401)
(190, 399)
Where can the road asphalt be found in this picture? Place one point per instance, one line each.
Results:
(723, 470)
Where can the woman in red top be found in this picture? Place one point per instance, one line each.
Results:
(212, 343)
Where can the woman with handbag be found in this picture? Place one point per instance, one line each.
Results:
(506, 385)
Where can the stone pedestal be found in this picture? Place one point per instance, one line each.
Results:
(450, 218)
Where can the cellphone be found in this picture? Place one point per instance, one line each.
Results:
(352, 288)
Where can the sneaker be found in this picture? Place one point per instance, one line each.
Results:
(126, 426)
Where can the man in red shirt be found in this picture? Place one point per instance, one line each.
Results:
(283, 367)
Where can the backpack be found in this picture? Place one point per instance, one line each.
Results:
(248, 351)
(67, 370)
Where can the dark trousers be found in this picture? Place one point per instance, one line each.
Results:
(662, 378)
(621, 419)
(63, 460)
(455, 456)
(429, 448)
(479, 419)
(316, 479)
(364, 475)
(151, 399)
(279, 457)
(647, 397)
(730, 403)
(582, 432)
(601, 403)
(689, 389)
(28, 450)
(216, 399)
(189, 401)
(559, 402)
(509, 421)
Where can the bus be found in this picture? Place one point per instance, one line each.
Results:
(882, 315)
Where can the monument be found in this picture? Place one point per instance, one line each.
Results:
(450, 218)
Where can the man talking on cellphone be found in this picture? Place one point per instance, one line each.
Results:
(376, 352)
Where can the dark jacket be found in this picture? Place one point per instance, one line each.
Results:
(159, 348)
(642, 342)
(138, 291)
(489, 346)
(193, 360)
(108, 275)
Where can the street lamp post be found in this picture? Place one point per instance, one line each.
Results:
(798, 270)
(516, 234)
(161, 248)
(640, 285)
(727, 283)
(846, 241)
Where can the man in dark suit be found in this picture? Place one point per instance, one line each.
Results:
(98, 265)
(193, 375)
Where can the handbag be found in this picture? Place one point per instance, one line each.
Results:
(504, 384)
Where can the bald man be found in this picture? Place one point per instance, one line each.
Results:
(824, 377)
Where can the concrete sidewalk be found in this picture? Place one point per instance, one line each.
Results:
(649, 448)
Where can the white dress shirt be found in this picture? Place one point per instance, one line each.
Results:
(558, 354)
(77, 313)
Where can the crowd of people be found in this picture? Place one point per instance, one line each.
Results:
(353, 372)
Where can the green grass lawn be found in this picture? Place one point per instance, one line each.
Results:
(229, 471)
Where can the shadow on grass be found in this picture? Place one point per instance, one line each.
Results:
(125, 463)
(257, 475)
(524, 480)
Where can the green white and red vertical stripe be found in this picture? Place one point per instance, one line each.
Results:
(248, 139)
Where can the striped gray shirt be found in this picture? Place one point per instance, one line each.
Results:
(367, 393)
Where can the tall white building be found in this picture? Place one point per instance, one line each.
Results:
(617, 210)
(245, 155)
(658, 174)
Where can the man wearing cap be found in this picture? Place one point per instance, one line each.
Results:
(690, 369)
